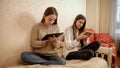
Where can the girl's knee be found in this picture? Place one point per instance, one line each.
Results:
(97, 42)
(24, 55)
(62, 62)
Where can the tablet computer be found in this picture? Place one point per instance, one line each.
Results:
(51, 35)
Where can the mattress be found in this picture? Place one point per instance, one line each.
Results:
(94, 62)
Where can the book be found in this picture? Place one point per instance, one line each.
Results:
(51, 35)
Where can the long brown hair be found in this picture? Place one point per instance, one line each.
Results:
(78, 17)
(49, 11)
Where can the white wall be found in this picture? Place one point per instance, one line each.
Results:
(17, 18)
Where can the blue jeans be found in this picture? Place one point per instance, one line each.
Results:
(37, 58)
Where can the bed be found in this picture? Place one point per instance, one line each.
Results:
(96, 62)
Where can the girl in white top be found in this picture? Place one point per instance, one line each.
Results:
(75, 41)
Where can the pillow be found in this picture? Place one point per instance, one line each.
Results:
(91, 38)
(104, 45)
(103, 37)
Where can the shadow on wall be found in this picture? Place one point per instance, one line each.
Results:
(26, 21)
(23, 25)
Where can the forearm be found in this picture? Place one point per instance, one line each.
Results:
(39, 44)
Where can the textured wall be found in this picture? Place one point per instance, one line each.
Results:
(18, 16)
